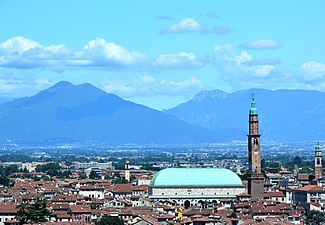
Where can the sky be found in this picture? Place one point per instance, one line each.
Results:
(161, 53)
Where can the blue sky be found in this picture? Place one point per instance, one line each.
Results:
(161, 53)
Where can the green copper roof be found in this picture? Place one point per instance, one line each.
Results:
(196, 177)
(253, 110)
(318, 148)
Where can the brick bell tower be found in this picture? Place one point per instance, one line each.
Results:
(318, 161)
(255, 177)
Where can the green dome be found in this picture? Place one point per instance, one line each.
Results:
(195, 177)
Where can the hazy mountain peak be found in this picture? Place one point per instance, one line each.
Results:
(60, 85)
(284, 114)
(214, 94)
(86, 113)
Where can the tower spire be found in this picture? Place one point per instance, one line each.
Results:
(255, 178)
(318, 161)
(253, 110)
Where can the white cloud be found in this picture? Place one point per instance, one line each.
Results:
(101, 53)
(18, 45)
(182, 60)
(8, 86)
(22, 53)
(241, 71)
(227, 53)
(261, 44)
(147, 85)
(313, 71)
(185, 26)
(19, 52)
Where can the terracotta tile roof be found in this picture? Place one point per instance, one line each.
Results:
(67, 198)
(303, 177)
(59, 207)
(62, 215)
(140, 188)
(149, 219)
(273, 194)
(122, 189)
(31, 196)
(314, 204)
(80, 209)
(8, 208)
(89, 187)
(243, 195)
(65, 223)
(192, 212)
(109, 197)
(310, 188)
(202, 219)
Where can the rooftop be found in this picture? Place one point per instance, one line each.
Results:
(196, 177)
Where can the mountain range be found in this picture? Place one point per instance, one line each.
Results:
(284, 115)
(67, 113)
(84, 113)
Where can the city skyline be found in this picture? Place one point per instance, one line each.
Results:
(160, 53)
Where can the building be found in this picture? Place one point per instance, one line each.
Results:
(195, 186)
(127, 170)
(86, 165)
(8, 212)
(255, 177)
(318, 161)
(307, 194)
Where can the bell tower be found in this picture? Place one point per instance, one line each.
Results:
(254, 150)
(318, 161)
(255, 177)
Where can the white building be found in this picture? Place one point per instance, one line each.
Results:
(195, 186)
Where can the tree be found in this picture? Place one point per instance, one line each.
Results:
(4, 181)
(3, 177)
(34, 213)
(22, 213)
(315, 217)
(119, 181)
(297, 161)
(82, 176)
(94, 175)
(109, 220)
(11, 169)
(47, 167)
(232, 215)
(38, 212)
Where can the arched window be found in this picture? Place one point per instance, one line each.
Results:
(255, 141)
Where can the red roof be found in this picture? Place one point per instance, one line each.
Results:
(122, 188)
(273, 194)
(80, 209)
(310, 188)
(8, 208)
